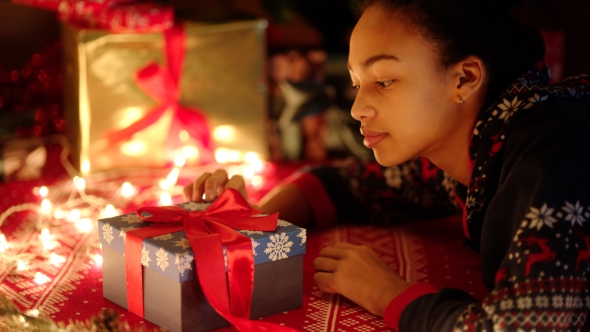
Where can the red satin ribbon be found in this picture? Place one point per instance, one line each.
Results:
(208, 231)
(162, 84)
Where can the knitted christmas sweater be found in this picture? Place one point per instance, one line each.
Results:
(526, 211)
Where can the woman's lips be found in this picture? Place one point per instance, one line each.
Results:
(372, 138)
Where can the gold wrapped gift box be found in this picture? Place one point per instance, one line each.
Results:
(222, 75)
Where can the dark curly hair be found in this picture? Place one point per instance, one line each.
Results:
(483, 28)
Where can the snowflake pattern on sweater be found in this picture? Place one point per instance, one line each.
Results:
(541, 283)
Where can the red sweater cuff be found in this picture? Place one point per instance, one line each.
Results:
(322, 207)
(395, 308)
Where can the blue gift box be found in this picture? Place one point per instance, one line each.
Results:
(168, 259)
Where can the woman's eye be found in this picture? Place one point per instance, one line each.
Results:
(384, 83)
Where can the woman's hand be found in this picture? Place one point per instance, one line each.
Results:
(212, 185)
(360, 275)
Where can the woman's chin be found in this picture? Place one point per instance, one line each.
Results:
(388, 159)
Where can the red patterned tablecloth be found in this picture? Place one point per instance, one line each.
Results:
(429, 251)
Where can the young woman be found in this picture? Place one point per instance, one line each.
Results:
(458, 84)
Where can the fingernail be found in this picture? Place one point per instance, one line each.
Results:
(209, 194)
(219, 190)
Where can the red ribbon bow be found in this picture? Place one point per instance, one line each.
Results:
(208, 231)
(162, 84)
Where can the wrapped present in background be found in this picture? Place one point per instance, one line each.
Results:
(112, 15)
(140, 99)
(172, 295)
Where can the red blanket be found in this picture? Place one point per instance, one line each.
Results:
(69, 288)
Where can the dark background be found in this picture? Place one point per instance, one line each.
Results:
(322, 24)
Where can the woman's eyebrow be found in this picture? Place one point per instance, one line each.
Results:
(376, 58)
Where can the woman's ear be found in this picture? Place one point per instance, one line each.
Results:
(470, 78)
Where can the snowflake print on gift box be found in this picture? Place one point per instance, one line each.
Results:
(162, 259)
(145, 257)
(124, 231)
(282, 223)
(254, 245)
(540, 217)
(278, 247)
(194, 206)
(183, 260)
(574, 213)
(163, 237)
(303, 236)
(131, 219)
(250, 232)
(107, 232)
(182, 243)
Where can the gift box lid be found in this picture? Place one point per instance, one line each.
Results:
(172, 256)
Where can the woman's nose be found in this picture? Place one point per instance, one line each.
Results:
(361, 109)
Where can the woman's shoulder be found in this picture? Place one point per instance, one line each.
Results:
(563, 117)
(550, 130)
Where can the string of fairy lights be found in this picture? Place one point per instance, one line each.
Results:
(75, 205)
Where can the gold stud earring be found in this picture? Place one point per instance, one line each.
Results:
(461, 100)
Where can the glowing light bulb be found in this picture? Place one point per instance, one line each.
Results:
(85, 167)
(56, 260)
(251, 157)
(164, 184)
(234, 170)
(247, 172)
(98, 259)
(127, 189)
(256, 180)
(80, 183)
(234, 156)
(190, 152)
(173, 176)
(84, 225)
(59, 214)
(21, 265)
(221, 155)
(254, 161)
(165, 199)
(3, 243)
(225, 133)
(74, 215)
(33, 312)
(40, 278)
(108, 211)
(47, 239)
(179, 161)
(45, 206)
(43, 191)
(45, 235)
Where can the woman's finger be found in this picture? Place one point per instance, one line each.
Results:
(236, 182)
(187, 192)
(217, 179)
(334, 252)
(323, 280)
(194, 191)
(324, 264)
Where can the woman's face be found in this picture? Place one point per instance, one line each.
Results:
(405, 100)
